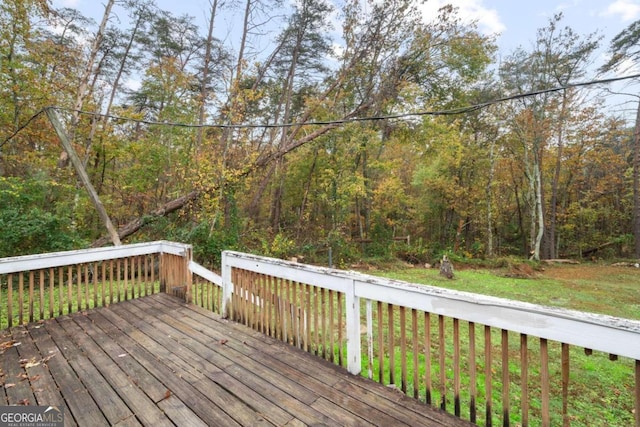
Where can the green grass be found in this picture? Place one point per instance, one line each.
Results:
(600, 390)
(614, 291)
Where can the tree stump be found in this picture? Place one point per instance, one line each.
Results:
(446, 268)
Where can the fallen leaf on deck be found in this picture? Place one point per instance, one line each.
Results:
(167, 394)
(122, 355)
(46, 359)
(24, 402)
(34, 378)
(9, 385)
(223, 342)
(31, 364)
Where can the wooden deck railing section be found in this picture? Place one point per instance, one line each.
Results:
(488, 360)
(36, 287)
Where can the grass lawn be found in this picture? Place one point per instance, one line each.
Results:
(600, 391)
(593, 288)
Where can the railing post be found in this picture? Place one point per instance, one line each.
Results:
(354, 362)
(188, 256)
(227, 285)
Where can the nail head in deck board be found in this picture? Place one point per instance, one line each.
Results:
(83, 408)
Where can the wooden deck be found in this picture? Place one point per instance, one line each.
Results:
(157, 361)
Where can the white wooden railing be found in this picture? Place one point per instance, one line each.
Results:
(428, 341)
(485, 359)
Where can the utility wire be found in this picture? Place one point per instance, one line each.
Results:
(450, 112)
(454, 111)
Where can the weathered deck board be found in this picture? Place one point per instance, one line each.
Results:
(158, 361)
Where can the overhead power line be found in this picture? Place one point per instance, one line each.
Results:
(450, 112)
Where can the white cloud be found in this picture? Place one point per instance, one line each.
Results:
(628, 10)
(468, 10)
(68, 3)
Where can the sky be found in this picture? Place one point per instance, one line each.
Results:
(514, 21)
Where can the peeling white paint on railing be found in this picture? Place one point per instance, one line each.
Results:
(82, 256)
(593, 331)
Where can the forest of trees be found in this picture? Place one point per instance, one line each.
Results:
(311, 128)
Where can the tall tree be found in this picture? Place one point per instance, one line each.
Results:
(625, 46)
(558, 56)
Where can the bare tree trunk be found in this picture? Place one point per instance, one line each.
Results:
(204, 91)
(84, 80)
(538, 209)
(489, 199)
(553, 213)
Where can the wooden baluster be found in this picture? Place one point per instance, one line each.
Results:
(380, 343)
(443, 367)
(341, 358)
(544, 381)
(565, 384)
(472, 374)
(20, 298)
(125, 289)
(427, 358)
(60, 290)
(254, 301)
(103, 279)
(505, 378)
(309, 290)
(392, 345)
(31, 297)
(69, 289)
(110, 299)
(9, 300)
(369, 315)
(52, 278)
(264, 295)
(154, 259)
(403, 349)
(86, 286)
(269, 305)
(41, 274)
(118, 276)
(416, 368)
(456, 367)
(95, 284)
(324, 323)
(141, 277)
(331, 326)
(488, 374)
(524, 378)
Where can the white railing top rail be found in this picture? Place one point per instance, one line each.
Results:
(205, 273)
(59, 259)
(593, 331)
